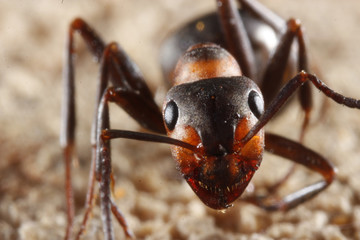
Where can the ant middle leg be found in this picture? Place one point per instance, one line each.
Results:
(273, 76)
(67, 132)
(130, 92)
(117, 68)
(291, 38)
(274, 73)
(236, 38)
(272, 80)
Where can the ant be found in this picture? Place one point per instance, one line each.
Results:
(226, 88)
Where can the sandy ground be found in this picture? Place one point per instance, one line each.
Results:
(152, 196)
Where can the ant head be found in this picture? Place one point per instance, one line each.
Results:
(215, 115)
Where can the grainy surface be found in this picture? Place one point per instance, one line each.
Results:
(152, 196)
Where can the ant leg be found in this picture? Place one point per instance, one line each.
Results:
(135, 97)
(273, 75)
(139, 103)
(123, 73)
(102, 83)
(130, 92)
(103, 168)
(127, 100)
(89, 195)
(103, 173)
(121, 219)
(299, 154)
(305, 95)
(272, 79)
(295, 151)
(237, 40)
(264, 13)
(103, 156)
(68, 153)
(288, 90)
(67, 134)
(275, 70)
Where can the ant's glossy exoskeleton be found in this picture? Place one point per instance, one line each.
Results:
(213, 115)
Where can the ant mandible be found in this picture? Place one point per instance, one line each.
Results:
(213, 115)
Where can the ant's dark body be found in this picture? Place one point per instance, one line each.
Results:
(213, 116)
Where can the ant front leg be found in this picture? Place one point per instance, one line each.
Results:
(301, 155)
(288, 90)
(295, 151)
(130, 92)
(128, 100)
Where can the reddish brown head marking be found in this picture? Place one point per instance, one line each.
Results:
(204, 61)
(214, 114)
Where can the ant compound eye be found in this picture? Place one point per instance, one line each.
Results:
(171, 114)
(256, 104)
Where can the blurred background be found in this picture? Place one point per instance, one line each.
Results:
(155, 200)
